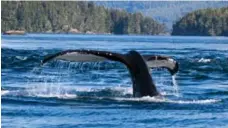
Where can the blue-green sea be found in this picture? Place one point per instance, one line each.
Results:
(64, 94)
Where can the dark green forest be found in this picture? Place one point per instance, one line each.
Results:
(166, 12)
(80, 16)
(205, 22)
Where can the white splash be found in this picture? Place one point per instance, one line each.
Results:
(21, 57)
(48, 91)
(175, 86)
(60, 96)
(65, 95)
(203, 60)
(206, 101)
(160, 99)
(4, 92)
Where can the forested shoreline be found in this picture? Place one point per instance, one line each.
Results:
(166, 12)
(74, 17)
(204, 22)
(87, 17)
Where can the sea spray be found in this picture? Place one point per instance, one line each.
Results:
(162, 80)
(175, 86)
(49, 86)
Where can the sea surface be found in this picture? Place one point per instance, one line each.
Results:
(70, 94)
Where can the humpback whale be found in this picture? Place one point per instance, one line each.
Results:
(138, 66)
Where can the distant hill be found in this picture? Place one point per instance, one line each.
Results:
(167, 12)
(205, 22)
(75, 17)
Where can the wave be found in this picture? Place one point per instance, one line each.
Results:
(117, 94)
(207, 62)
(58, 92)
(166, 100)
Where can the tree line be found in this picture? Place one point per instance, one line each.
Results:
(83, 16)
(205, 22)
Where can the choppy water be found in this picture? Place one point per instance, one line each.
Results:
(63, 94)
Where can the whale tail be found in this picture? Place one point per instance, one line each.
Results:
(152, 61)
(137, 65)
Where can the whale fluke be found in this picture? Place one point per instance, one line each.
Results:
(85, 56)
(154, 61)
(137, 65)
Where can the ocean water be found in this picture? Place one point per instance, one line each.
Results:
(69, 94)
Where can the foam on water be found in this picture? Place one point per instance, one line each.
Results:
(203, 60)
(60, 96)
(21, 57)
(66, 94)
(62, 90)
(166, 100)
(4, 92)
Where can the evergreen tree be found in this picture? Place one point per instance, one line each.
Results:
(206, 22)
(62, 16)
